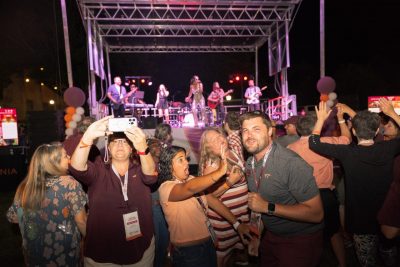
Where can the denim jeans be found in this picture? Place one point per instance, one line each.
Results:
(161, 236)
(201, 255)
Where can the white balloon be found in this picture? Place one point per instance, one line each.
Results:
(76, 117)
(69, 131)
(330, 103)
(332, 96)
(72, 124)
(80, 110)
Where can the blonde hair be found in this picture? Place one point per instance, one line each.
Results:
(45, 163)
(204, 155)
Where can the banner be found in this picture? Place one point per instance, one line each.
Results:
(8, 127)
(373, 103)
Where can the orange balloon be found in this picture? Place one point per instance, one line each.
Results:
(324, 97)
(70, 110)
(68, 117)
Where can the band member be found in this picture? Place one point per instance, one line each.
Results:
(117, 95)
(196, 89)
(216, 103)
(133, 99)
(162, 103)
(252, 96)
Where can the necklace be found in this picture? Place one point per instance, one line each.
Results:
(366, 142)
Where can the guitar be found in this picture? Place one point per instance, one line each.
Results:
(214, 103)
(253, 98)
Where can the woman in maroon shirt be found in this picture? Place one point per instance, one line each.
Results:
(120, 224)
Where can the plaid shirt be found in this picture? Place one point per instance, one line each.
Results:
(235, 143)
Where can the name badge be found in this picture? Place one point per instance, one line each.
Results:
(132, 226)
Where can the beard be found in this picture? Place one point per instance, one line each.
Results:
(256, 146)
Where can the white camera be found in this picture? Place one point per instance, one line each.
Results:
(121, 124)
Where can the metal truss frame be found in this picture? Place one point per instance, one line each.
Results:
(177, 24)
(188, 26)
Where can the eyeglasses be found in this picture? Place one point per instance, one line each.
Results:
(120, 141)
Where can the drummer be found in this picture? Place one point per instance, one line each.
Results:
(132, 98)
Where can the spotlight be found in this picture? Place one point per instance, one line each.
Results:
(142, 80)
(41, 69)
(237, 78)
(41, 84)
(126, 84)
(133, 81)
(27, 80)
(245, 78)
(55, 87)
(51, 102)
(150, 83)
(228, 98)
(230, 81)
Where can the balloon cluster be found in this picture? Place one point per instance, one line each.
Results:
(74, 97)
(72, 117)
(326, 86)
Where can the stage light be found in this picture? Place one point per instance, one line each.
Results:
(150, 83)
(51, 102)
(133, 81)
(126, 84)
(42, 69)
(142, 80)
(228, 98)
(27, 80)
(230, 81)
(41, 84)
(237, 78)
(55, 87)
(245, 78)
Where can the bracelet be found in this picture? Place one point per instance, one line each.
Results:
(236, 225)
(84, 144)
(341, 121)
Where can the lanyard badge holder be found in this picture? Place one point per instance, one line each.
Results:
(208, 223)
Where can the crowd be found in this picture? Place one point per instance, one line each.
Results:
(255, 194)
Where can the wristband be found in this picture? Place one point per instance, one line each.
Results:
(236, 225)
(341, 121)
(84, 144)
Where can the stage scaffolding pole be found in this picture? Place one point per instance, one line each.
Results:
(322, 37)
(66, 43)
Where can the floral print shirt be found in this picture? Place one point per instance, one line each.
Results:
(50, 236)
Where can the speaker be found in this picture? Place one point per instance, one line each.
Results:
(149, 123)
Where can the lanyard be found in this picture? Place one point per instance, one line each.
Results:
(124, 185)
(254, 172)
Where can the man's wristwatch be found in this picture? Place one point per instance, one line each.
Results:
(271, 208)
(144, 152)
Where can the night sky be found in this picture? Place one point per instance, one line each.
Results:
(362, 43)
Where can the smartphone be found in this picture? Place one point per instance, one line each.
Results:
(121, 124)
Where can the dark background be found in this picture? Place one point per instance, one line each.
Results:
(362, 54)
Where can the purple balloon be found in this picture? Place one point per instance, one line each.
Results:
(74, 96)
(326, 84)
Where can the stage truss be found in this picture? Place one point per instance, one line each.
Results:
(207, 26)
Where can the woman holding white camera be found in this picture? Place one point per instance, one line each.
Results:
(162, 103)
(120, 225)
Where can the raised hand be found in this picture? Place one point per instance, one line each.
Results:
(97, 129)
(138, 138)
(386, 106)
(323, 111)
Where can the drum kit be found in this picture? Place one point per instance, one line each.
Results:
(180, 114)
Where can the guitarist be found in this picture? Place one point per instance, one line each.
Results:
(117, 93)
(216, 102)
(252, 95)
